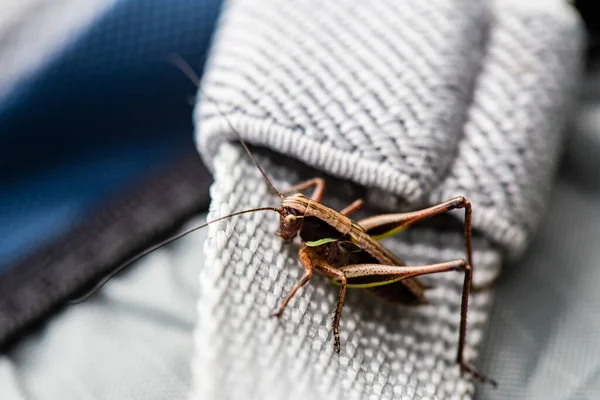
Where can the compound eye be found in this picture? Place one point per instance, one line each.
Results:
(290, 219)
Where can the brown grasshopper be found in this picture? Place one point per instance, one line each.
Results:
(347, 251)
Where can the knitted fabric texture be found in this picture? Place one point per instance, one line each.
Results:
(416, 101)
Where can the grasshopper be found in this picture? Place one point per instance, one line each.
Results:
(347, 252)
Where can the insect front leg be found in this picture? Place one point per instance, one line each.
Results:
(355, 206)
(394, 273)
(307, 263)
(310, 260)
(317, 195)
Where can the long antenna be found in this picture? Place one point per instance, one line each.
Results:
(157, 246)
(188, 71)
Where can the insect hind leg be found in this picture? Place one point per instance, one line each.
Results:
(393, 273)
(387, 224)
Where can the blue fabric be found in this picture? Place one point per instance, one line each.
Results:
(97, 117)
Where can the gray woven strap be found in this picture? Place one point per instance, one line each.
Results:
(416, 101)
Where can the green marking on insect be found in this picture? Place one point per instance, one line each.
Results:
(370, 285)
(389, 233)
(316, 243)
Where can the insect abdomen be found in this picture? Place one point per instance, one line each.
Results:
(399, 292)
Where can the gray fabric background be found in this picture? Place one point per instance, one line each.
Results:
(542, 340)
(131, 341)
(134, 339)
(377, 96)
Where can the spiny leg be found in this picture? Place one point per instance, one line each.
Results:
(334, 273)
(318, 183)
(338, 314)
(308, 266)
(394, 273)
